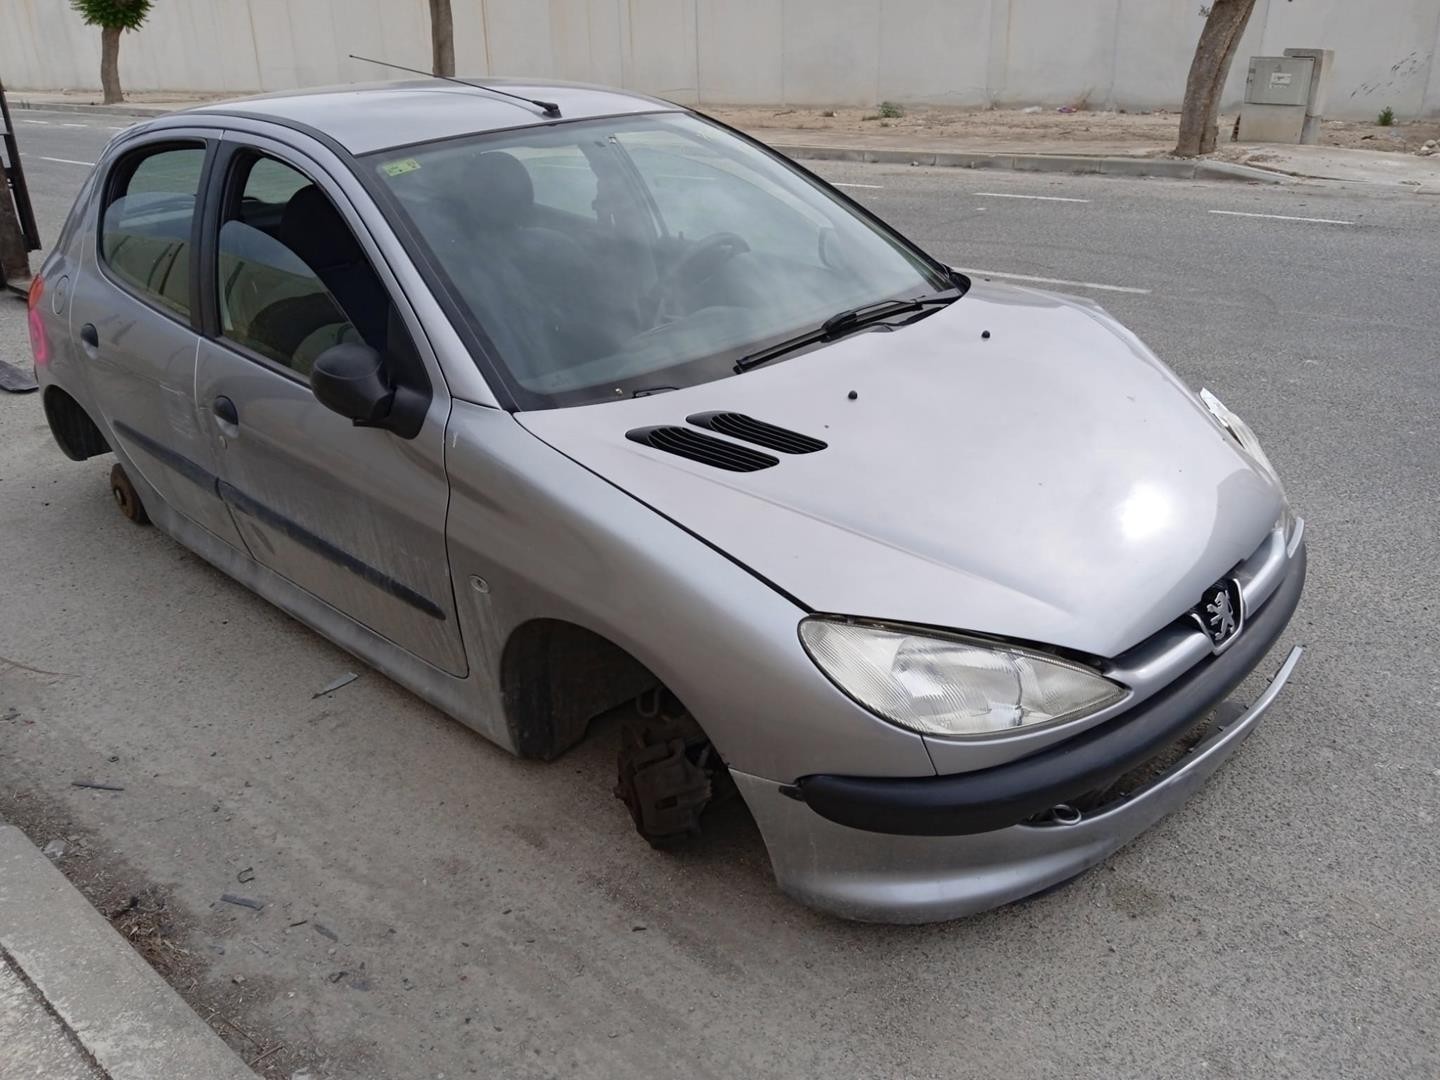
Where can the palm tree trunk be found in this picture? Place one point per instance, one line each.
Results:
(442, 38)
(1213, 53)
(110, 64)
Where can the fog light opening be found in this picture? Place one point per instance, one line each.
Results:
(1065, 814)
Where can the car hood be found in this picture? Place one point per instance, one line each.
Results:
(1018, 464)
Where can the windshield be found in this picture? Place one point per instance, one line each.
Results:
(599, 259)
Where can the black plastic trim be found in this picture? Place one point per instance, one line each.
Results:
(237, 500)
(190, 470)
(706, 449)
(996, 798)
(748, 429)
(242, 503)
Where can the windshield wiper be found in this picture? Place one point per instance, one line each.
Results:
(846, 322)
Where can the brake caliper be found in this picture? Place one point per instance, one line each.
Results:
(669, 773)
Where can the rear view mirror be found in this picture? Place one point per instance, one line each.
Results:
(351, 380)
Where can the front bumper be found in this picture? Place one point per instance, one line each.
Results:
(929, 849)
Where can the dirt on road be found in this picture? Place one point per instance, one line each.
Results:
(1077, 131)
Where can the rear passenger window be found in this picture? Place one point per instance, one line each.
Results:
(145, 230)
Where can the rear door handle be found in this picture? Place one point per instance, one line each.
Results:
(90, 336)
(224, 409)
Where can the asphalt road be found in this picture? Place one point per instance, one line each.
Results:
(499, 918)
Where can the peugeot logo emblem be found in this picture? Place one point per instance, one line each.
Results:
(1220, 613)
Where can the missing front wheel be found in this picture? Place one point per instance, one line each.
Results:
(668, 773)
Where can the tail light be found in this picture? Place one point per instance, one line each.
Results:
(39, 343)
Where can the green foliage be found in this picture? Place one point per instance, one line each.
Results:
(116, 14)
(890, 111)
(1386, 117)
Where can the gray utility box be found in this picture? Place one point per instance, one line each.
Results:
(1285, 96)
(1279, 80)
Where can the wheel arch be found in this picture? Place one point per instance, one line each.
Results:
(75, 432)
(556, 676)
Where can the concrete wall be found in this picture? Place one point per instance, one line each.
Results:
(1126, 53)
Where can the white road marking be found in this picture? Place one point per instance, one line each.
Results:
(44, 122)
(74, 125)
(64, 161)
(1283, 217)
(1055, 281)
(836, 183)
(1038, 198)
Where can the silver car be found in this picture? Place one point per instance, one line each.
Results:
(541, 399)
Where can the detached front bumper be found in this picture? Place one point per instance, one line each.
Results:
(927, 849)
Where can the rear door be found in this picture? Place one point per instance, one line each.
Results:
(133, 317)
(353, 515)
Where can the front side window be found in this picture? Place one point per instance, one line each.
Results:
(146, 227)
(608, 257)
(292, 278)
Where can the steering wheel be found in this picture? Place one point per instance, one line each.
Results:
(697, 265)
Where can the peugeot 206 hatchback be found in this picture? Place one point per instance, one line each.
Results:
(544, 398)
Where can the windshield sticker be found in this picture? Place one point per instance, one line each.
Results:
(401, 167)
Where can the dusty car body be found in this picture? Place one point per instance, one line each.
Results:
(950, 589)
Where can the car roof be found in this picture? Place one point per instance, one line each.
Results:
(364, 117)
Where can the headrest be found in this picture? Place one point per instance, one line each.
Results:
(499, 189)
(313, 229)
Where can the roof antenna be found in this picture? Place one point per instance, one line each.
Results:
(549, 108)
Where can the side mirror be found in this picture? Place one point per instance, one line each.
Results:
(351, 380)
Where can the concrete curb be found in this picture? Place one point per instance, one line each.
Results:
(125, 109)
(124, 1015)
(1173, 168)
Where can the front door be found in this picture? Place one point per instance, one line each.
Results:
(353, 515)
(132, 317)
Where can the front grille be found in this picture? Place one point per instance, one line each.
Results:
(1152, 769)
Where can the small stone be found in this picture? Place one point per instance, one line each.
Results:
(238, 980)
(54, 849)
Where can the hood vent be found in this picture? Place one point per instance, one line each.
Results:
(740, 426)
(688, 443)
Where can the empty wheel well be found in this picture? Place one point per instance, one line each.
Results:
(556, 677)
(72, 427)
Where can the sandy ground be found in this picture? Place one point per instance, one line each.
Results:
(1067, 131)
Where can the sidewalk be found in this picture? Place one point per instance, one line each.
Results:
(1035, 140)
(36, 1043)
(76, 1001)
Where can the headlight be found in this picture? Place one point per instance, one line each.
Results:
(953, 686)
(1242, 435)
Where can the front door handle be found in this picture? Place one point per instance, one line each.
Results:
(224, 409)
(90, 336)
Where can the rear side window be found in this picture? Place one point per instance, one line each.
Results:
(146, 227)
